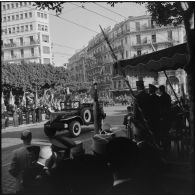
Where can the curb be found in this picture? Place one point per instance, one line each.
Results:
(21, 127)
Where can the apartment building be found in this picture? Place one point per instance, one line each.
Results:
(25, 33)
(77, 65)
(130, 38)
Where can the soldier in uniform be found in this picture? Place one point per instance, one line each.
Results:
(15, 117)
(33, 114)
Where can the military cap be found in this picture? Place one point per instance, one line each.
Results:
(153, 87)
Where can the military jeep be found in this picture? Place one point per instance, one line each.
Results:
(71, 117)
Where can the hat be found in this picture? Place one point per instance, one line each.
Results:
(61, 142)
(153, 87)
(140, 83)
(26, 134)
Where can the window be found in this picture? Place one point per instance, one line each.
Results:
(121, 42)
(30, 14)
(22, 28)
(21, 16)
(26, 15)
(8, 6)
(25, 3)
(20, 4)
(29, 3)
(46, 60)
(31, 39)
(42, 27)
(137, 26)
(46, 50)
(11, 41)
(4, 7)
(13, 17)
(138, 38)
(26, 27)
(16, 4)
(22, 53)
(45, 16)
(8, 18)
(153, 38)
(170, 35)
(32, 51)
(12, 53)
(21, 40)
(139, 52)
(12, 5)
(13, 29)
(39, 27)
(31, 27)
(46, 28)
(9, 30)
(5, 31)
(38, 14)
(45, 38)
(41, 15)
(18, 29)
(127, 54)
(17, 17)
(125, 39)
(4, 19)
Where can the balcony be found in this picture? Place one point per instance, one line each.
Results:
(142, 44)
(19, 57)
(17, 45)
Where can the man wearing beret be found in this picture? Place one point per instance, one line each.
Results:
(22, 160)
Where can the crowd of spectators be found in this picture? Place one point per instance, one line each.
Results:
(124, 167)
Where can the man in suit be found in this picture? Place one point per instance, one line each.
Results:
(154, 112)
(165, 120)
(142, 99)
(22, 159)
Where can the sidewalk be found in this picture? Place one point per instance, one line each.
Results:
(22, 127)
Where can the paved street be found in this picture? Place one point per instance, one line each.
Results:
(11, 140)
(177, 182)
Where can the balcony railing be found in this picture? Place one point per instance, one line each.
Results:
(19, 57)
(15, 45)
(154, 43)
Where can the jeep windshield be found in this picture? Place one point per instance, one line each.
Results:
(69, 105)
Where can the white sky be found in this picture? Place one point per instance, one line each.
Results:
(75, 37)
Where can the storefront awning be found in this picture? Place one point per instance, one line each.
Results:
(171, 58)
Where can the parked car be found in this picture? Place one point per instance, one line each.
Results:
(71, 117)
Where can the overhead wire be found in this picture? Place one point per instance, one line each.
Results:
(59, 45)
(95, 12)
(109, 10)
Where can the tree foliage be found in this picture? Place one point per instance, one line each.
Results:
(29, 77)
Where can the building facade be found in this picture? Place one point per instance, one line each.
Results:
(131, 38)
(25, 34)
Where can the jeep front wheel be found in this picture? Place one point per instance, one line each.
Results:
(75, 128)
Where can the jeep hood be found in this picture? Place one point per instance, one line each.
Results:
(62, 114)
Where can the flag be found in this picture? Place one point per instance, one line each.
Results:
(2, 99)
(68, 91)
(11, 99)
(24, 100)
